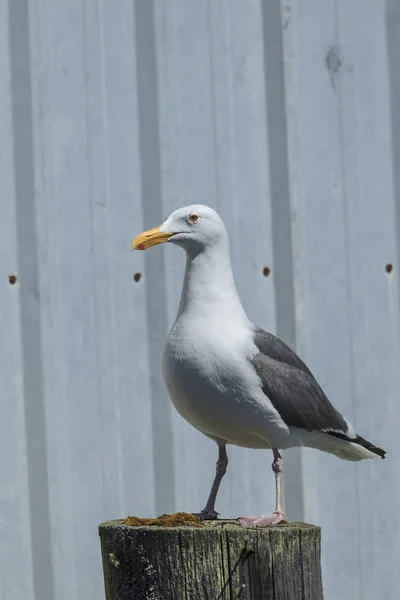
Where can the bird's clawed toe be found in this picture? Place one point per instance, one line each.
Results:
(206, 515)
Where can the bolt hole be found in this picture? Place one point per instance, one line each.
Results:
(137, 277)
(12, 279)
(389, 268)
(266, 271)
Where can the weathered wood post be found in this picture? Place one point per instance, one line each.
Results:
(218, 561)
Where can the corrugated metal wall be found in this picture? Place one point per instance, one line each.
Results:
(286, 118)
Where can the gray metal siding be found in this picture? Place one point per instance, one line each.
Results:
(286, 119)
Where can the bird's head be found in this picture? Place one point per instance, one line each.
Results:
(192, 227)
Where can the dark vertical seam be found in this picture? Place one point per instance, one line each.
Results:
(150, 167)
(303, 583)
(184, 565)
(221, 544)
(217, 187)
(228, 555)
(272, 567)
(282, 243)
(232, 135)
(105, 129)
(393, 52)
(279, 171)
(30, 315)
(97, 328)
(197, 589)
(343, 171)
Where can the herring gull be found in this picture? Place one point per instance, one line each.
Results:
(230, 379)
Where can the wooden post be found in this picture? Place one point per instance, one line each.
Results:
(219, 561)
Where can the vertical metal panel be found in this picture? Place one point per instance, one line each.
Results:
(321, 264)
(16, 573)
(344, 234)
(283, 117)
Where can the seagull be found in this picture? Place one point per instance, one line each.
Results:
(230, 379)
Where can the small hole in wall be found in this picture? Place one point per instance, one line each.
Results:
(12, 279)
(137, 277)
(266, 271)
(389, 268)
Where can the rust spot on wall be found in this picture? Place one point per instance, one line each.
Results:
(137, 277)
(12, 279)
(389, 268)
(266, 271)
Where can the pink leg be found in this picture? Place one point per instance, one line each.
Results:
(209, 511)
(277, 516)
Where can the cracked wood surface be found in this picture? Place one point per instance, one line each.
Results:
(220, 561)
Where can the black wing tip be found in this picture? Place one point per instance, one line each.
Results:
(379, 451)
(366, 444)
(359, 440)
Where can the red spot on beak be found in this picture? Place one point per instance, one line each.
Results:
(141, 247)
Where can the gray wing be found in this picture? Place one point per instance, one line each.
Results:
(292, 388)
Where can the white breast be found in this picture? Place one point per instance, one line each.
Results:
(213, 385)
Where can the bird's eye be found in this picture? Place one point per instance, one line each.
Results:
(193, 218)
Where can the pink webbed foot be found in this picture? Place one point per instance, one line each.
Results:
(263, 521)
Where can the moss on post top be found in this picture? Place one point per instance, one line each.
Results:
(179, 519)
(182, 520)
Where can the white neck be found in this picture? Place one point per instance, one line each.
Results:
(209, 287)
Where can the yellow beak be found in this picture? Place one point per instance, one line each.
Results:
(150, 238)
